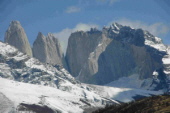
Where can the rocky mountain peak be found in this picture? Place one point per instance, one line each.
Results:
(48, 49)
(131, 35)
(15, 23)
(116, 26)
(148, 36)
(40, 34)
(93, 30)
(116, 48)
(125, 34)
(16, 36)
(50, 35)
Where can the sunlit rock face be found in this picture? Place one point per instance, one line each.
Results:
(100, 57)
(16, 36)
(80, 45)
(48, 50)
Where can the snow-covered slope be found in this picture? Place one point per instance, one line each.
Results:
(123, 94)
(154, 42)
(157, 43)
(6, 105)
(132, 81)
(13, 93)
(166, 62)
(17, 93)
(19, 67)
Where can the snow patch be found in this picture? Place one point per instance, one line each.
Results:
(132, 81)
(122, 94)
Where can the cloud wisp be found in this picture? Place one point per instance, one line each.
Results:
(73, 9)
(64, 34)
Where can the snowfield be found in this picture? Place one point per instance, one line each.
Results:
(17, 92)
(56, 86)
(122, 94)
(132, 81)
(65, 102)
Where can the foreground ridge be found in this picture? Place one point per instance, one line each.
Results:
(154, 104)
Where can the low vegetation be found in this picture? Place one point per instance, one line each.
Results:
(154, 104)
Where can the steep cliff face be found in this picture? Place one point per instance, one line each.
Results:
(120, 52)
(16, 36)
(48, 50)
(80, 45)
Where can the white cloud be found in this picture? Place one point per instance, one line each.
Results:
(156, 28)
(72, 9)
(64, 34)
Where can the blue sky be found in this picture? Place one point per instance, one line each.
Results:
(62, 17)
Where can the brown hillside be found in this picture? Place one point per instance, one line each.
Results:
(155, 104)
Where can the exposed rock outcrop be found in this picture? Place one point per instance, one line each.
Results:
(100, 57)
(80, 45)
(48, 50)
(16, 36)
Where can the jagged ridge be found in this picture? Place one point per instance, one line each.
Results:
(116, 51)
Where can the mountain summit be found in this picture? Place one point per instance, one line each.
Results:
(16, 36)
(48, 50)
(115, 53)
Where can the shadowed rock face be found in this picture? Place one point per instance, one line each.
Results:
(16, 36)
(100, 57)
(48, 50)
